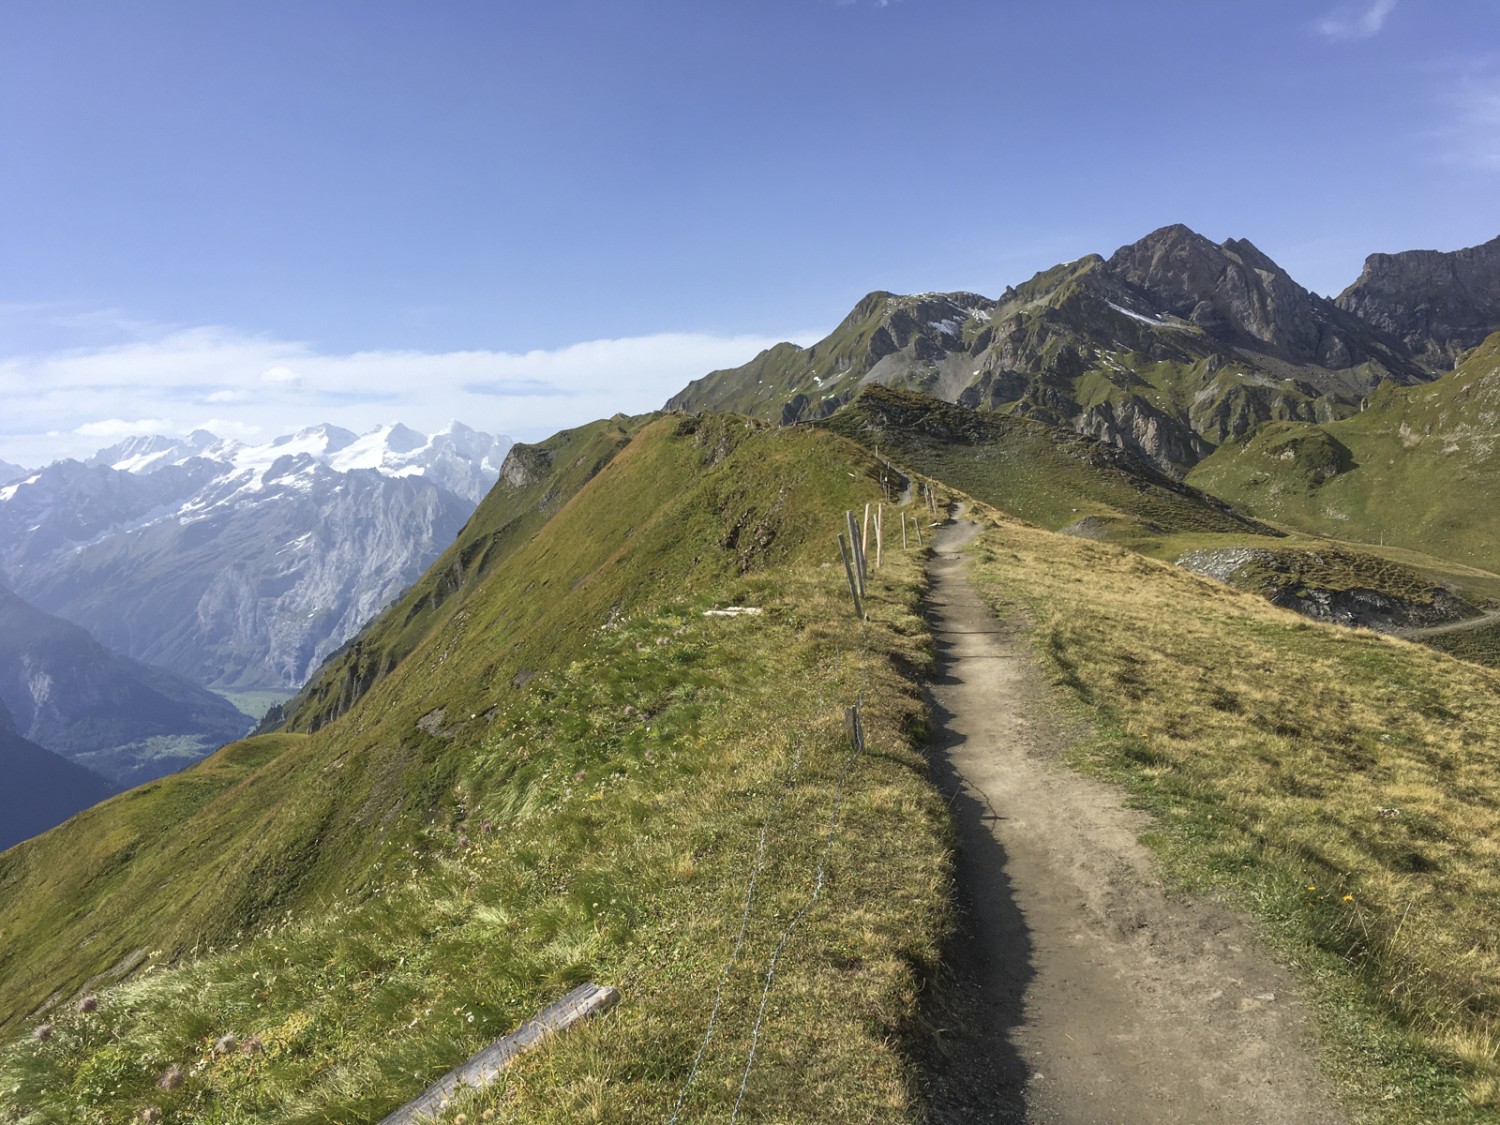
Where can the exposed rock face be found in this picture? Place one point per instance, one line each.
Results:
(1334, 586)
(1238, 295)
(1438, 304)
(1139, 427)
(524, 465)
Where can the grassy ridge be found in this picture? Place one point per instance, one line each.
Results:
(1405, 471)
(551, 473)
(375, 900)
(1480, 645)
(1340, 785)
(1045, 474)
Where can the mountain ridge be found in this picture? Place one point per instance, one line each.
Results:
(124, 720)
(1438, 303)
(41, 789)
(1168, 348)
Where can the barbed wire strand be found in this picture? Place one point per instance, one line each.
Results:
(760, 861)
(819, 882)
(786, 934)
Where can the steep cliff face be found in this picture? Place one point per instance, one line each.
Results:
(1438, 304)
(1240, 297)
(1168, 348)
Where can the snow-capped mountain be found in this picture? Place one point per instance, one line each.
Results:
(463, 461)
(240, 565)
(9, 472)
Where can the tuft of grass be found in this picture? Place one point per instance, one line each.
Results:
(1340, 785)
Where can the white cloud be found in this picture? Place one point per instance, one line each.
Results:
(1355, 21)
(65, 403)
(118, 427)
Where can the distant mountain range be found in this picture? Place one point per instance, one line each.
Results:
(9, 472)
(240, 566)
(64, 691)
(1168, 348)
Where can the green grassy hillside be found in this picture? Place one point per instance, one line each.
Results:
(1045, 474)
(539, 479)
(1414, 469)
(572, 774)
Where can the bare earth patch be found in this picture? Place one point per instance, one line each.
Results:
(1080, 992)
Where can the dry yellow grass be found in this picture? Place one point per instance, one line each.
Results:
(1344, 785)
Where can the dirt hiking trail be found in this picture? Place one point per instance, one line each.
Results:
(1452, 627)
(1081, 994)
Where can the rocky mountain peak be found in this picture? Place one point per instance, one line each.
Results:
(1237, 294)
(324, 438)
(403, 439)
(1438, 304)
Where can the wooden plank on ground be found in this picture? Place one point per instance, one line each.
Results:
(485, 1067)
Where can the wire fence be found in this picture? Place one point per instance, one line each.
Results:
(854, 553)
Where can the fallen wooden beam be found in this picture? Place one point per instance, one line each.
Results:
(485, 1067)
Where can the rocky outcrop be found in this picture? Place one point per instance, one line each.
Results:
(1438, 304)
(524, 465)
(1151, 435)
(1333, 585)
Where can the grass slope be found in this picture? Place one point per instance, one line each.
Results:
(1340, 785)
(366, 904)
(540, 479)
(1041, 473)
(1406, 471)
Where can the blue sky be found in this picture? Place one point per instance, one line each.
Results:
(264, 215)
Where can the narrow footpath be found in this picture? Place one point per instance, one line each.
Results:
(1081, 993)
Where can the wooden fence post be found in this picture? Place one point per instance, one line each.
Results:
(859, 610)
(864, 540)
(879, 532)
(859, 562)
(854, 728)
(903, 531)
